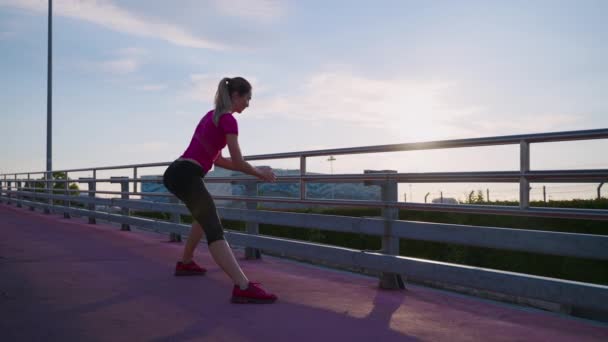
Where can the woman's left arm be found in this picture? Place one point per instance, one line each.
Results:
(225, 163)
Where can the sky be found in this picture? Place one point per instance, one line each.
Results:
(131, 79)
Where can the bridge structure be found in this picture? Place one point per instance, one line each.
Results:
(66, 258)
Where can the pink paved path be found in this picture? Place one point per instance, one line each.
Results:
(65, 280)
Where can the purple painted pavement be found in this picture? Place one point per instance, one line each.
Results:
(65, 280)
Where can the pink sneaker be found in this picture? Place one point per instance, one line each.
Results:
(253, 294)
(191, 268)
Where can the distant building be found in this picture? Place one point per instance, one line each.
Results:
(153, 184)
(351, 191)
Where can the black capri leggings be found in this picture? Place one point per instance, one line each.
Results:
(184, 179)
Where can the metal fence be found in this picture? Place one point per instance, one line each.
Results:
(16, 188)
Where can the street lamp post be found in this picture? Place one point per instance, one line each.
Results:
(49, 103)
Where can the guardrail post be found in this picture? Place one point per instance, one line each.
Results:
(3, 191)
(92, 186)
(124, 188)
(48, 185)
(302, 173)
(175, 218)
(135, 182)
(66, 203)
(19, 197)
(8, 191)
(31, 188)
(253, 228)
(524, 183)
(390, 243)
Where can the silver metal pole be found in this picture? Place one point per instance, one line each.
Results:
(49, 106)
(49, 97)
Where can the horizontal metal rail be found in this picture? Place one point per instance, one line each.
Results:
(443, 144)
(40, 190)
(534, 241)
(548, 176)
(429, 145)
(99, 168)
(564, 213)
(559, 176)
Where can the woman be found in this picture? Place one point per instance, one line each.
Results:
(183, 178)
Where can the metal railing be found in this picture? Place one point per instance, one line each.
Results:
(388, 226)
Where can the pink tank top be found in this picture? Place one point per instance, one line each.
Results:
(209, 140)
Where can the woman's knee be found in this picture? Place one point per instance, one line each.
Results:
(210, 222)
(214, 233)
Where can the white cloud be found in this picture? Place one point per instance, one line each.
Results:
(259, 10)
(108, 15)
(124, 61)
(501, 124)
(403, 109)
(408, 109)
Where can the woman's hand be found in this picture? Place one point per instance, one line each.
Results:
(265, 173)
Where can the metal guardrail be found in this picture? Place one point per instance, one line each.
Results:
(388, 227)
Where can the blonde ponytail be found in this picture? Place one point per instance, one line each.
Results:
(223, 104)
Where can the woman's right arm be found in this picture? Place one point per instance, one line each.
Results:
(239, 163)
